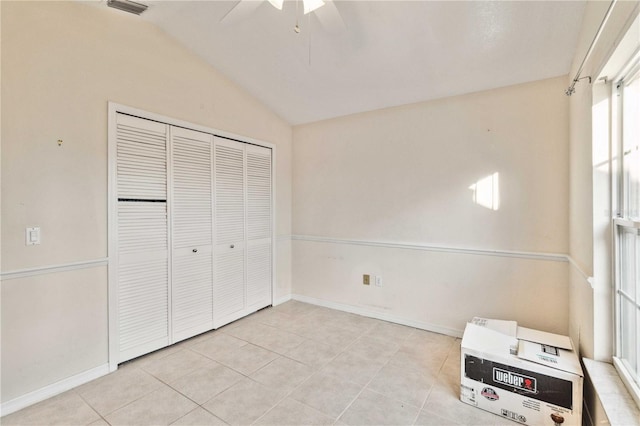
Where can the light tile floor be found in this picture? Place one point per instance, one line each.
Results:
(295, 364)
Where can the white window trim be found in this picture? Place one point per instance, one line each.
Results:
(620, 222)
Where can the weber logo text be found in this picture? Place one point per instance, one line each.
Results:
(518, 381)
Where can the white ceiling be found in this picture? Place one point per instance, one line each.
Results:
(391, 53)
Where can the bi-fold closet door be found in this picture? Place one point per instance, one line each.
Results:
(194, 233)
(243, 238)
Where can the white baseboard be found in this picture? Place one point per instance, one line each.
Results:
(378, 315)
(52, 390)
(282, 299)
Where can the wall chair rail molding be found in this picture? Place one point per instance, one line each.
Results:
(578, 268)
(553, 257)
(50, 269)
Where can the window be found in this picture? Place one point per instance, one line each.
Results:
(626, 134)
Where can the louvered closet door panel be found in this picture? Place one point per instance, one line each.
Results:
(229, 286)
(142, 231)
(143, 277)
(192, 198)
(258, 193)
(192, 219)
(259, 274)
(142, 159)
(192, 294)
(229, 190)
(143, 307)
(259, 222)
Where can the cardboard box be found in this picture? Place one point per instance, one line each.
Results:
(524, 375)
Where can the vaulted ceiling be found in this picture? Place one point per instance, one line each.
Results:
(389, 53)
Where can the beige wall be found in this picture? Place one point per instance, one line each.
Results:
(437, 291)
(402, 175)
(61, 63)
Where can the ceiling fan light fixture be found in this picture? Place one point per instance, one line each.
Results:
(311, 5)
(277, 3)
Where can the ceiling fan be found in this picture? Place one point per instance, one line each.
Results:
(325, 11)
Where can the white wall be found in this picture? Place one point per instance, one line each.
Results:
(402, 175)
(61, 63)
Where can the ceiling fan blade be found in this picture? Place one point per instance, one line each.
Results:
(240, 11)
(330, 18)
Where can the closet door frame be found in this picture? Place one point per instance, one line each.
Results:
(112, 203)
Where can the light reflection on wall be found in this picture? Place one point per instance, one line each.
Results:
(486, 191)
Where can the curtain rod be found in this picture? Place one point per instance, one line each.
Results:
(571, 89)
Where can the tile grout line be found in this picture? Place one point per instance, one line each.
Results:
(222, 391)
(129, 403)
(286, 395)
(365, 385)
(368, 383)
(315, 373)
(279, 355)
(440, 371)
(163, 382)
(90, 406)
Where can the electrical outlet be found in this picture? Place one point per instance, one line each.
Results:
(365, 279)
(378, 281)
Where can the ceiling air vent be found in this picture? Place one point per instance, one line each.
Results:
(127, 6)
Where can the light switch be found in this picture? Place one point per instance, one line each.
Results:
(32, 236)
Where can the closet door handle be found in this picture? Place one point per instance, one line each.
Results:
(232, 246)
(195, 250)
